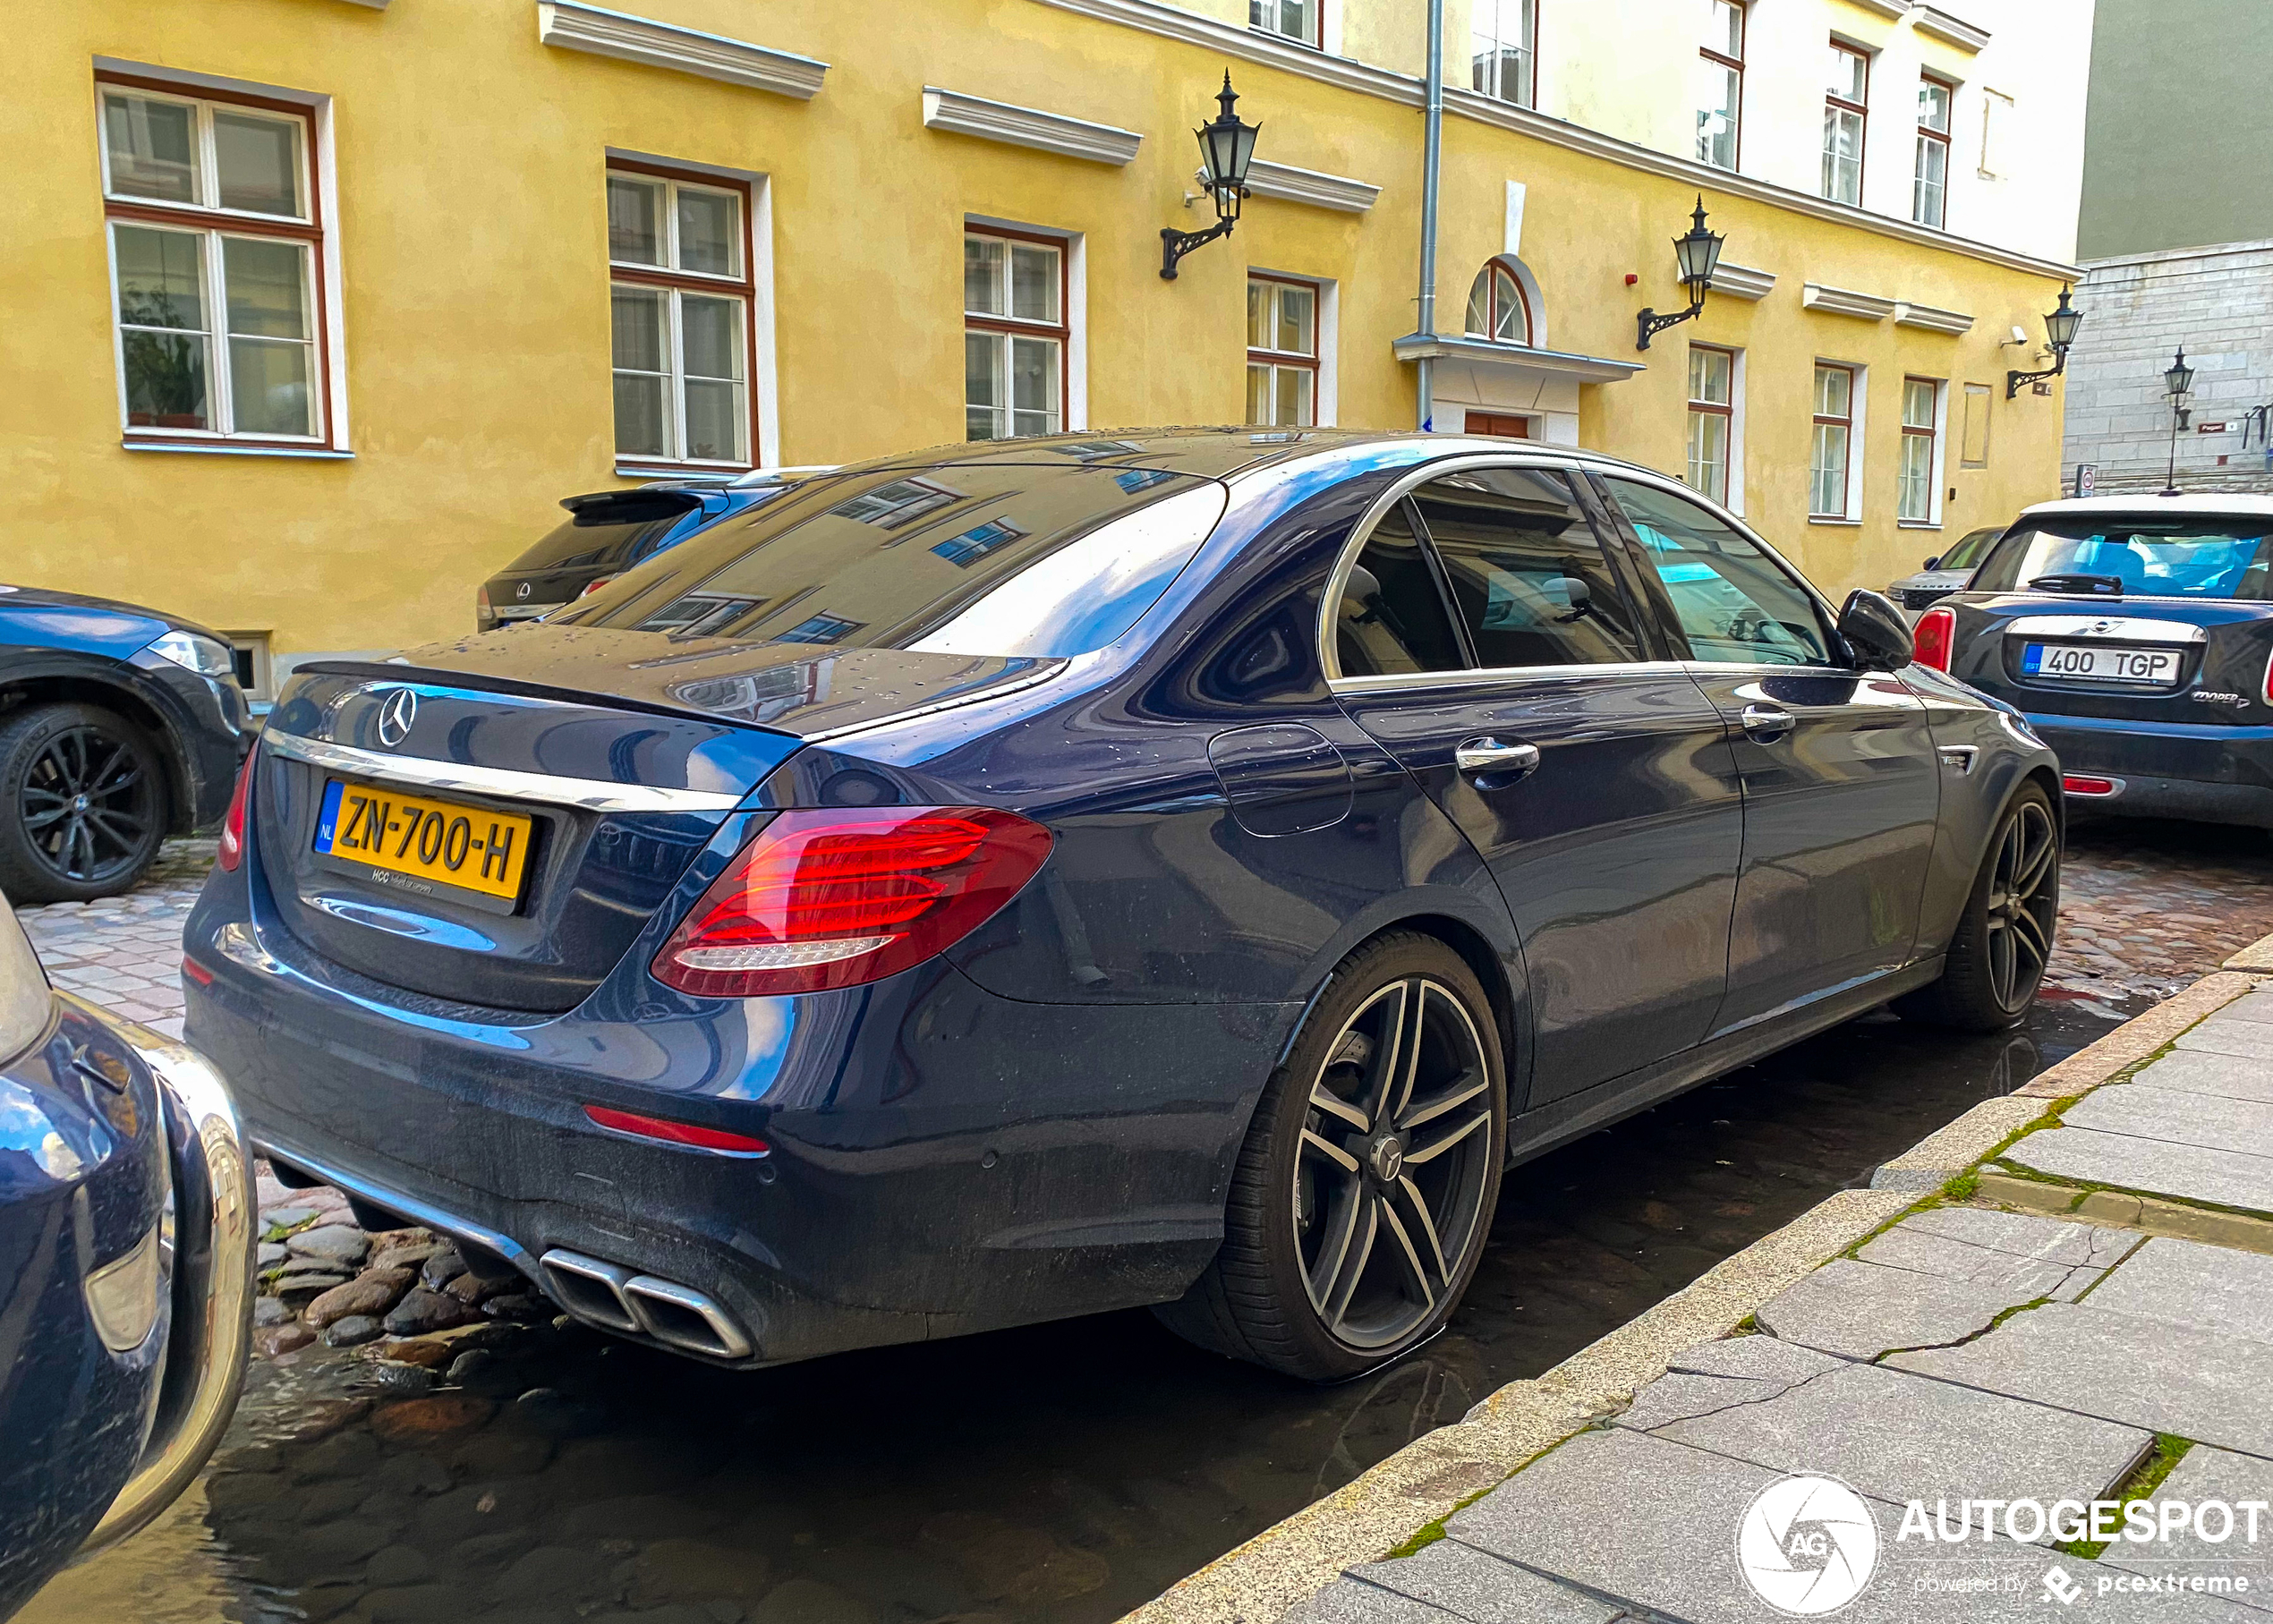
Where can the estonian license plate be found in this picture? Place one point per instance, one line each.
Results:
(426, 847)
(2068, 662)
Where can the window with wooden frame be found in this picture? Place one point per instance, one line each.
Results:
(1829, 458)
(1498, 309)
(1712, 417)
(1282, 352)
(1295, 20)
(217, 272)
(1846, 103)
(1929, 179)
(1920, 471)
(679, 298)
(1720, 85)
(1014, 334)
(1501, 35)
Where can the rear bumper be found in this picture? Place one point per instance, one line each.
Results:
(942, 1160)
(2213, 773)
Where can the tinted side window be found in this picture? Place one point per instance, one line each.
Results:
(1391, 617)
(1735, 604)
(1526, 571)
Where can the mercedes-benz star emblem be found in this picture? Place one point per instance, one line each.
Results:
(396, 712)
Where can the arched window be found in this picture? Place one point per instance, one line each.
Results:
(1498, 309)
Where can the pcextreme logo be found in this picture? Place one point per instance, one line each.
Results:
(1808, 1544)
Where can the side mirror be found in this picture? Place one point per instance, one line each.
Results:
(1933, 563)
(1876, 633)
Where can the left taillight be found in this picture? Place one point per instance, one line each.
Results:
(232, 851)
(1934, 637)
(834, 898)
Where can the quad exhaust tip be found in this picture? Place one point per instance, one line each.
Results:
(611, 1296)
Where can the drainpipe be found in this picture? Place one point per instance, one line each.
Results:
(1431, 162)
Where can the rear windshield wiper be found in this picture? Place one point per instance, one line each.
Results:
(2079, 586)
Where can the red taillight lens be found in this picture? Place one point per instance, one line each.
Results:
(592, 586)
(676, 1132)
(194, 971)
(231, 852)
(834, 898)
(1935, 634)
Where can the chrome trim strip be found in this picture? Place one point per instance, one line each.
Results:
(420, 1211)
(1473, 677)
(2113, 627)
(216, 1227)
(1053, 666)
(500, 782)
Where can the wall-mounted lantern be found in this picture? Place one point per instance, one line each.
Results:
(2059, 331)
(1697, 253)
(2178, 379)
(1226, 147)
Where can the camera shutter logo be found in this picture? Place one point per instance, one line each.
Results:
(1808, 1544)
(396, 712)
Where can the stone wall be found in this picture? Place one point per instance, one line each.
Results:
(2218, 302)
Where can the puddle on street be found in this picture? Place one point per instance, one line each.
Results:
(1058, 1474)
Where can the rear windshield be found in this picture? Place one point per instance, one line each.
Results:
(967, 558)
(611, 531)
(1968, 551)
(2144, 557)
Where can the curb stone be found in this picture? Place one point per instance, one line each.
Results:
(2258, 955)
(1263, 1580)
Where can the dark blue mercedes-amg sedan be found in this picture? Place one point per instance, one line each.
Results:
(1177, 867)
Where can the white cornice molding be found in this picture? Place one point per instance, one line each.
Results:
(998, 121)
(1312, 186)
(1742, 281)
(575, 26)
(1152, 17)
(1953, 30)
(1885, 8)
(1484, 353)
(1934, 320)
(1845, 301)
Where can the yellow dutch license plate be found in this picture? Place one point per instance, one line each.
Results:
(422, 846)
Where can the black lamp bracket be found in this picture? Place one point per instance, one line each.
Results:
(2013, 380)
(1651, 323)
(1175, 244)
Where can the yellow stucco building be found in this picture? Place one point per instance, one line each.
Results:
(314, 309)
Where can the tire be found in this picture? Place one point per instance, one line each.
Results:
(1996, 959)
(83, 803)
(1355, 1224)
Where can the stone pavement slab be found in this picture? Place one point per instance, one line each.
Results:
(2193, 1071)
(1715, 1375)
(1898, 1437)
(1754, 1358)
(1864, 1310)
(2249, 1039)
(2055, 1267)
(2215, 1122)
(2186, 1282)
(2192, 1172)
(2120, 1367)
(2207, 1474)
(1473, 1585)
(2021, 1234)
(2255, 1007)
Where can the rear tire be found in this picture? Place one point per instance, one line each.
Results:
(82, 805)
(1996, 959)
(1366, 1188)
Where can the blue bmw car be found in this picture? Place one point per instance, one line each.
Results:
(1182, 867)
(126, 1253)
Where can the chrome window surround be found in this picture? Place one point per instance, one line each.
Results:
(502, 782)
(2115, 628)
(1473, 676)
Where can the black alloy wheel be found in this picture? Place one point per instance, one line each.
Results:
(82, 805)
(2003, 944)
(1364, 1191)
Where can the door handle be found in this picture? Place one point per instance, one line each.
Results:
(1765, 723)
(1487, 758)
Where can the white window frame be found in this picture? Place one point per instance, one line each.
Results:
(1268, 18)
(315, 230)
(1718, 58)
(1731, 450)
(1837, 108)
(1487, 21)
(1937, 460)
(1068, 332)
(675, 284)
(1274, 361)
(1857, 394)
(1942, 138)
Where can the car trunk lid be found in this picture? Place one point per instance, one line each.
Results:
(2119, 660)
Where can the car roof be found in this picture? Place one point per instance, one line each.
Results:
(1218, 452)
(2234, 504)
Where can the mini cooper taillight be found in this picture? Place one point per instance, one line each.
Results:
(1934, 637)
(833, 899)
(231, 851)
